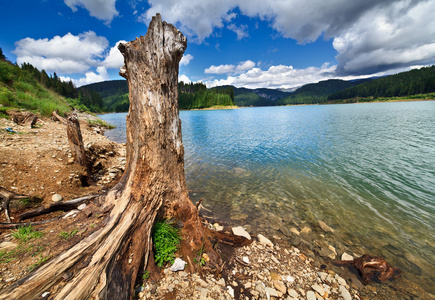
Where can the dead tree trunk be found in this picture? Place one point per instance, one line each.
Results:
(75, 141)
(105, 264)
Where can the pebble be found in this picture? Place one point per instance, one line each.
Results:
(178, 265)
(346, 256)
(325, 227)
(344, 293)
(311, 295)
(56, 198)
(264, 241)
(82, 206)
(240, 231)
(230, 291)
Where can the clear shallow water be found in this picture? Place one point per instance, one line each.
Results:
(367, 170)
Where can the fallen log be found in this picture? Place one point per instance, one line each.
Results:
(23, 117)
(64, 206)
(58, 118)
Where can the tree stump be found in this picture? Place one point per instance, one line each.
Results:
(23, 118)
(105, 265)
(75, 141)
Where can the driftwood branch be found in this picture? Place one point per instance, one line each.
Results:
(56, 117)
(64, 206)
(6, 197)
(16, 225)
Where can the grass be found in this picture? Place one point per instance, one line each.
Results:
(67, 235)
(166, 240)
(145, 275)
(41, 260)
(101, 123)
(26, 233)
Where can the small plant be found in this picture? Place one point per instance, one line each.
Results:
(166, 240)
(26, 233)
(41, 260)
(146, 275)
(67, 235)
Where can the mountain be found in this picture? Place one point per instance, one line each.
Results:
(113, 93)
(315, 93)
(405, 84)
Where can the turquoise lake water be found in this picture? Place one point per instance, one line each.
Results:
(366, 170)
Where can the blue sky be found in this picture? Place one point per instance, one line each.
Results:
(255, 43)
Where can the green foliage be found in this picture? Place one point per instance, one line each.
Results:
(2, 56)
(146, 275)
(26, 233)
(196, 96)
(166, 239)
(41, 260)
(101, 123)
(68, 234)
(419, 81)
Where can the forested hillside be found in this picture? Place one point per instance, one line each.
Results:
(35, 90)
(419, 81)
(196, 96)
(113, 92)
(316, 93)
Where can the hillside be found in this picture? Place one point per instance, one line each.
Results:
(418, 81)
(36, 91)
(114, 94)
(315, 93)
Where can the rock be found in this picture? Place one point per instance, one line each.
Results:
(295, 231)
(306, 230)
(7, 246)
(311, 295)
(290, 279)
(327, 252)
(344, 293)
(340, 280)
(70, 161)
(178, 265)
(45, 295)
(346, 256)
(245, 259)
(240, 231)
(272, 292)
(221, 282)
(293, 293)
(218, 227)
(72, 214)
(230, 291)
(264, 241)
(325, 227)
(319, 289)
(56, 198)
(82, 206)
(280, 286)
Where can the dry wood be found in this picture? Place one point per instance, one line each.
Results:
(105, 264)
(23, 118)
(56, 117)
(7, 196)
(16, 225)
(65, 206)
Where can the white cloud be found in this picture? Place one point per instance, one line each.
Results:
(184, 78)
(230, 69)
(241, 31)
(66, 54)
(185, 60)
(114, 60)
(101, 9)
(370, 35)
(90, 77)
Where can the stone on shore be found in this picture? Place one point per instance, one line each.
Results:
(346, 256)
(240, 231)
(56, 198)
(264, 241)
(178, 265)
(325, 227)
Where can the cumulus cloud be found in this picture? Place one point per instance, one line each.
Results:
(279, 76)
(114, 60)
(90, 77)
(66, 54)
(370, 36)
(184, 78)
(230, 69)
(185, 60)
(101, 9)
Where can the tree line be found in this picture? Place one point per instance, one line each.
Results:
(196, 96)
(418, 81)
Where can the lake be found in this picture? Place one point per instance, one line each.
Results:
(367, 170)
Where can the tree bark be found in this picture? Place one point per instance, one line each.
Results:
(105, 265)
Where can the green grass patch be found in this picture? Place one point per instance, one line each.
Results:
(101, 123)
(146, 275)
(41, 260)
(68, 234)
(166, 240)
(26, 233)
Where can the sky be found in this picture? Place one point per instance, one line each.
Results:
(254, 44)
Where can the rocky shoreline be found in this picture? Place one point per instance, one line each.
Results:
(37, 162)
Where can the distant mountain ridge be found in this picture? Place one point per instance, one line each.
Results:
(115, 93)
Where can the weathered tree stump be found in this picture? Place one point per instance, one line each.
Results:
(75, 141)
(23, 118)
(58, 118)
(105, 265)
